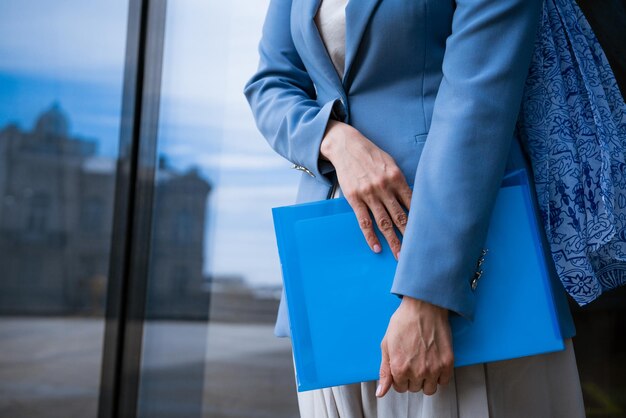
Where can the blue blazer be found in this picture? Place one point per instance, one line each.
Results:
(434, 82)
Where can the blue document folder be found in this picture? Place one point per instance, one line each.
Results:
(339, 300)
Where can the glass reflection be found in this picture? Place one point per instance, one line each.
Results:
(177, 289)
(49, 178)
(61, 69)
(214, 256)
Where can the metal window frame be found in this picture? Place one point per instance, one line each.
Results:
(134, 189)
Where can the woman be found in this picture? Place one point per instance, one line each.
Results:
(428, 81)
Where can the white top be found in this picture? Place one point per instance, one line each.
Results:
(331, 23)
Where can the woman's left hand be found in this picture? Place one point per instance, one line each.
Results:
(417, 349)
(371, 181)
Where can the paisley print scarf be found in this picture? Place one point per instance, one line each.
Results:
(573, 126)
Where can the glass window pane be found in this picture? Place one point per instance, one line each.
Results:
(214, 281)
(61, 71)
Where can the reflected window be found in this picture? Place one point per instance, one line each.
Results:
(39, 211)
(92, 214)
(180, 279)
(182, 226)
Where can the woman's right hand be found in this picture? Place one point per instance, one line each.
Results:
(370, 180)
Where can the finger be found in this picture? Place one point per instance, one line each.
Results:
(400, 378)
(385, 225)
(385, 379)
(430, 386)
(415, 385)
(446, 374)
(404, 194)
(447, 359)
(367, 227)
(398, 215)
(400, 385)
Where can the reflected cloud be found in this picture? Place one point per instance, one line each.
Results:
(243, 241)
(247, 162)
(213, 46)
(63, 35)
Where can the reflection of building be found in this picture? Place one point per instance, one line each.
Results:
(56, 220)
(176, 286)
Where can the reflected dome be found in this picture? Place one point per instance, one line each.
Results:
(53, 121)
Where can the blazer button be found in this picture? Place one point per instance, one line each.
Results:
(478, 273)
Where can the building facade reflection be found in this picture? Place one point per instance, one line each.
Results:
(56, 219)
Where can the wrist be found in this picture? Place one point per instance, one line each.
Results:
(418, 305)
(336, 133)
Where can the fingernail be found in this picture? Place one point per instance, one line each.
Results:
(398, 255)
(379, 389)
(377, 248)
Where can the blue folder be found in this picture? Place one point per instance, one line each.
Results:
(339, 300)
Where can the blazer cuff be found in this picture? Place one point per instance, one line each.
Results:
(307, 158)
(445, 290)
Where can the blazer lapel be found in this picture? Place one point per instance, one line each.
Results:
(358, 13)
(314, 43)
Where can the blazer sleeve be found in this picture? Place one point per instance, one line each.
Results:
(282, 97)
(485, 64)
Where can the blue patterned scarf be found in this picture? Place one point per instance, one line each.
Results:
(573, 126)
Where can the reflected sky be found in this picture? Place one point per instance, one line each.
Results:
(48, 54)
(71, 52)
(210, 52)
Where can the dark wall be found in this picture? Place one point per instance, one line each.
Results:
(600, 341)
(608, 20)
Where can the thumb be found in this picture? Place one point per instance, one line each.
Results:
(385, 372)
